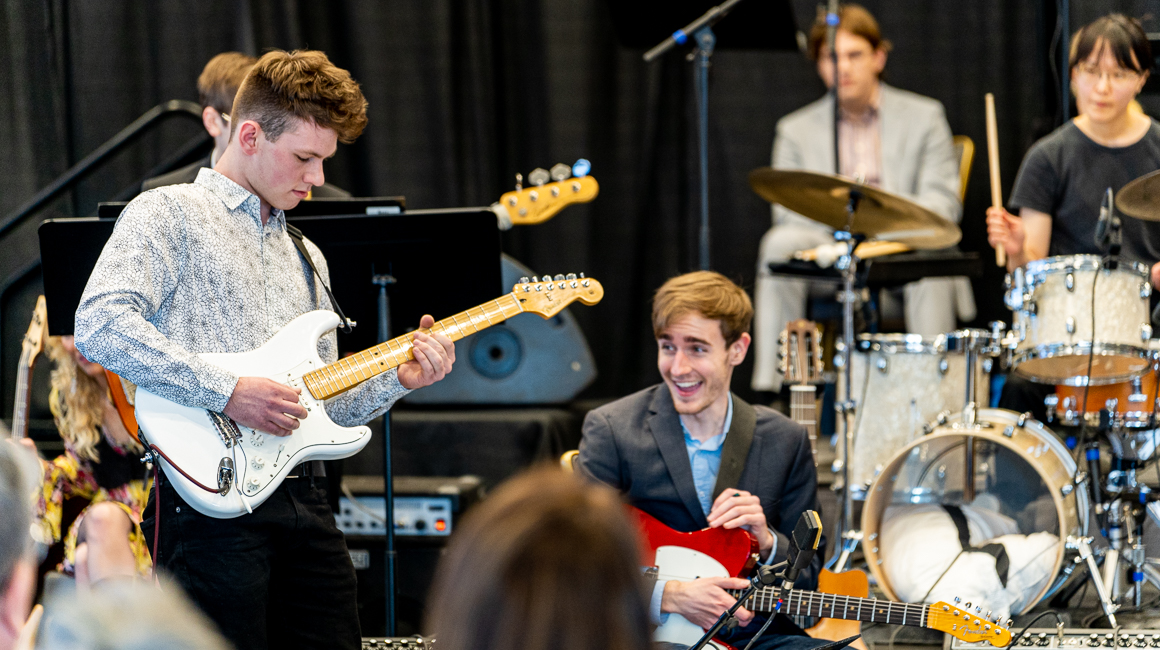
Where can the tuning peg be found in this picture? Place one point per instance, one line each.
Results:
(978, 609)
(957, 600)
(519, 182)
(1009, 622)
(559, 276)
(538, 177)
(581, 167)
(968, 605)
(523, 279)
(570, 276)
(560, 171)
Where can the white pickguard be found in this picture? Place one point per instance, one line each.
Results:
(679, 563)
(262, 460)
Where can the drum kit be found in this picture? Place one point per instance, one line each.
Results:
(912, 423)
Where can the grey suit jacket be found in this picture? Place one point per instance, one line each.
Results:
(636, 445)
(918, 154)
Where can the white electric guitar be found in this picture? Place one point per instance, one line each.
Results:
(225, 470)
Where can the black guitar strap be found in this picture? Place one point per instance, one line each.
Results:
(998, 551)
(296, 235)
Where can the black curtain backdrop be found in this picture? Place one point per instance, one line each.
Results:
(463, 94)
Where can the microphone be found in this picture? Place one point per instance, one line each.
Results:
(831, 25)
(803, 544)
(1107, 235)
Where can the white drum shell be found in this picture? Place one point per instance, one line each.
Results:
(1053, 314)
(901, 383)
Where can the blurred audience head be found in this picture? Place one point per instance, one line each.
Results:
(547, 562)
(19, 479)
(127, 615)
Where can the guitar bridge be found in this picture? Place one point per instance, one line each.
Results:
(226, 428)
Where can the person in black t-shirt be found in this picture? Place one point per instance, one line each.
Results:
(1065, 175)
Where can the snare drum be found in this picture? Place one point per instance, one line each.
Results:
(1052, 324)
(1019, 462)
(1130, 402)
(900, 383)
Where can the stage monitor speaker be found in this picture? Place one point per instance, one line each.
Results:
(527, 360)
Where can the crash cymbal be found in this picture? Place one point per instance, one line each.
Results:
(1141, 198)
(880, 214)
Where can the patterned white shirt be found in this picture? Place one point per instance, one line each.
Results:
(190, 269)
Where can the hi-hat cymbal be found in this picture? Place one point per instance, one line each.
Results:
(880, 214)
(1141, 198)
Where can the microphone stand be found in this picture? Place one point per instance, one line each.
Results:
(763, 577)
(704, 40)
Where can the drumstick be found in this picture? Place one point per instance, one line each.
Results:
(993, 159)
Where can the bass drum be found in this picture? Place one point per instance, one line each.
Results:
(1022, 472)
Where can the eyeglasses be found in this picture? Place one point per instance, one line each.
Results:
(1118, 77)
(225, 117)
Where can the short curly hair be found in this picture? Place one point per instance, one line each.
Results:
(708, 294)
(305, 85)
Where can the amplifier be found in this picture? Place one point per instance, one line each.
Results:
(424, 506)
(1072, 637)
(397, 643)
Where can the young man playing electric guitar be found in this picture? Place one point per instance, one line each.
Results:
(693, 455)
(210, 267)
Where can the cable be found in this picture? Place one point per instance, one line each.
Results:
(1050, 612)
(181, 471)
(359, 506)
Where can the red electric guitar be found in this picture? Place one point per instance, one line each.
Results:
(722, 553)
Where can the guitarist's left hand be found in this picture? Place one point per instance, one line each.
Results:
(434, 356)
(739, 509)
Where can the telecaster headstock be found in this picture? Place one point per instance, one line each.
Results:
(961, 623)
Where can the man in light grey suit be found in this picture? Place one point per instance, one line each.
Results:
(693, 455)
(889, 138)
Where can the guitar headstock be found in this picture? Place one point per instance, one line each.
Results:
(801, 353)
(548, 296)
(542, 199)
(37, 332)
(962, 623)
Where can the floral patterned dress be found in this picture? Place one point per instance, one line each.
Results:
(68, 476)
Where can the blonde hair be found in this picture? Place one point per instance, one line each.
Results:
(707, 293)
(78, 403)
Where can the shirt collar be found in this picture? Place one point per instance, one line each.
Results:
(714, 443)
(234, 195)
(866, 116)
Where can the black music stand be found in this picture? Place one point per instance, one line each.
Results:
(442, 262)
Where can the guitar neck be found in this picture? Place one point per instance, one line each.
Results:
(348, 372)
(803, 410)
(23, 396)
(852, 608)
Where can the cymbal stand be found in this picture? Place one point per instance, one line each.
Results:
(845, 405)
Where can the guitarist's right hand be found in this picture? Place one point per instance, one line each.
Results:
(703, 600)
(265, 405)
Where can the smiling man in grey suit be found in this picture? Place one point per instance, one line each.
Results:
(693, 455)
(888, 138)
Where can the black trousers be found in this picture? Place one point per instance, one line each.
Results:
(278, 578)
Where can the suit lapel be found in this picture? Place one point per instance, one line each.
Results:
(892, 122)
(665, 425)
(735, 450)
(825, 135)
